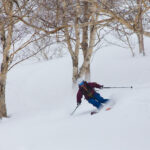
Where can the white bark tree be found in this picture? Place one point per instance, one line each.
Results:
(82, 34)
(76, 21)
(15, 40)
(130, 14)
(6, 38)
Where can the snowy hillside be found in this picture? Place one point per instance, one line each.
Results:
(40, 100)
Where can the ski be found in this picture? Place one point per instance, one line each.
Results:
(109, 108)
(94, 112)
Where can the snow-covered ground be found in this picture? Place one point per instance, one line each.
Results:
(40, 100)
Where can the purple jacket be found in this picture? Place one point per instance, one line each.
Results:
(80, 93)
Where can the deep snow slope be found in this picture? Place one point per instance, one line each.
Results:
(40, 100)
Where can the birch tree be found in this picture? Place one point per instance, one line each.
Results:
(88, 42)
(6, 38)
(8, 49)
(15, 39)
(84, 26)
(139, 21)
(75, 23)
(136, 10)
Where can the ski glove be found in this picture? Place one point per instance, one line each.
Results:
(101, 86)
(78, 103)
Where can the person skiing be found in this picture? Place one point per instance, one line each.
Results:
(88, 90)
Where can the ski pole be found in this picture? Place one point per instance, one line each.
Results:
(75, 110)
(119, 87)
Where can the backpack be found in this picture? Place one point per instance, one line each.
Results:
(87, 90)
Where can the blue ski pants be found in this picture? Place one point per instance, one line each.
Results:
(97, 100)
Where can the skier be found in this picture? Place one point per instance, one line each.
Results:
(94, 98)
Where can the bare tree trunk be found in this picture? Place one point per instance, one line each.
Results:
(3, 110)
(84, 43)
(75, 70)
(141, 37)
(87, 59)
(85, 68)
(86, 16)
(88, 73)
(74, 53)
(73, 56)
(3, 74)
(141, 43)
(140, 27)
(6, 39)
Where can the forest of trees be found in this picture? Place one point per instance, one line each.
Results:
(28, 27)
